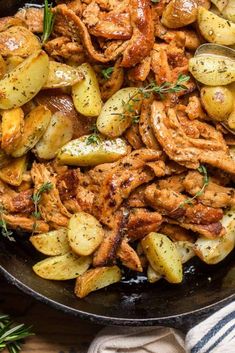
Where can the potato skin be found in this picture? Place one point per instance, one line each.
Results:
(218, 102)
(179, 13)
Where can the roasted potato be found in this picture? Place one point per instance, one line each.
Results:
(4, 158)
(18, 40)
(62, 267)
(217, 101)
(12, 127)
(58, 133)
(214, 28)
(185, 249)
(231, 120)
(85, 233)
(36, 123)
(3, 67)
(117, 113)
(179, 13)
(229, 11)
(12, 62)
(52, 243)
(152, 275)
(62, 75)
(91, 150)
(25, 81)
(95, 279)
(212, 70)
(163, 256)
(213, 251)
(220, 4)
(13, 172)
(86, 93)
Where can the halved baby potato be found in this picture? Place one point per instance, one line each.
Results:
(13, 172)
(117, 113)
(57, 134)
(25, 81)
(3, 67)
(35, 125)
(52, 243)
(12, 128)
(95, 279)
(86, 93)
(85, 233)
(62, 75)
(91, 150)
(62, 267)
(152, 275)
(163, 256)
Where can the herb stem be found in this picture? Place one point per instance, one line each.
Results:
(48, 21)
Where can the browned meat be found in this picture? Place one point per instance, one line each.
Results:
(145, 128)
(137, 197)
(142, 40)
(63, 47)
(24, 223)
(55, 101)
(22, 202)
(211, 231)
(160, 65)
(122, 178)
(190, 142)
(51, 208)
(175, 232)
(33, 17)
(141, 70)
(85, 198)
(106, 252)
(194, 109)
(214, 195)
(171, 203)
(129, 257)
(67, 184)
(114, 83)
(174, 182)
(6, 22)
(133, 137)
(141, 222)
(158, 167)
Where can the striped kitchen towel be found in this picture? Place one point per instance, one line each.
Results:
(216, 334)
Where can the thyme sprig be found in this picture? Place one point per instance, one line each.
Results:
(107, 72)
(37, 197)
(48, 21)
(93, 139)
(202, 169)
(3, 225)
(11, 335)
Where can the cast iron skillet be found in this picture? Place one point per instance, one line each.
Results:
(133, 302)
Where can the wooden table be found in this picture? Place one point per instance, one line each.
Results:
(55, 331)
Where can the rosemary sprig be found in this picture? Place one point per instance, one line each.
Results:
(48, 21)
(202, 169)
(107, 72)
(11, 335)
(93, 139)
(37, 197)
(3, 225)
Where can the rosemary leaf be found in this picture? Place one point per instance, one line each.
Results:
(48, 21)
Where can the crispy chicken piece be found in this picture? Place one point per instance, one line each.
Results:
(129, 257)
(142, 40)
(160, 65)
(133, 137)
(63, 47)
(24, 223)
(174, 182)
(176, 233)
(56, 101)
(145, 128)
(211, 231)
(117, 184)
(67, 184)
(15, 202)
(190, 142)
(33, 17)
(79, 32)
(114, 83)
(106, 252)
(141, 70)
(114, 24)
(141, 222)
(158, 167)
(85, 198)
(172, 204)
(194, 109)
(137, 198)
(51, 208)
(214, 195)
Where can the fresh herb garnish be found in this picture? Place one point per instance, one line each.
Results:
(107, 72)
(3, 225)
(155, 1)
(12, 336)
(38, 195)
(202, 169)
(93, 139)
(48, 21)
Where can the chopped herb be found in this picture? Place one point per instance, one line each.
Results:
(38, 195)
(4, 230)
(155, 1)
(48, 21)
(202, 169)
(107, 72)
(11, 335)
(93, 139)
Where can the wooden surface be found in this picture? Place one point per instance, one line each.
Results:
(55, 331)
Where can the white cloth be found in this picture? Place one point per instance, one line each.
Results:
(216, 334)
